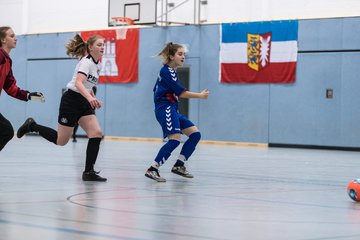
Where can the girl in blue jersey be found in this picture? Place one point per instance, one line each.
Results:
(78, 104)
(167, 90)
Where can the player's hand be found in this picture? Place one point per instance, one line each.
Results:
(37, 96)
(204, 94)
(95, 103)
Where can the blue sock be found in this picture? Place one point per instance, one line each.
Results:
(189, 147)
(166, 150)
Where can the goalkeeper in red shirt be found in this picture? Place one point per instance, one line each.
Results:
(8, 82)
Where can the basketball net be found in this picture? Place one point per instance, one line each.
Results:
(121, 22)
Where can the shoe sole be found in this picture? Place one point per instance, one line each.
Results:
(182, 175)
(90, 180)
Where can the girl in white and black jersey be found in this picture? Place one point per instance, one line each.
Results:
(78, 103)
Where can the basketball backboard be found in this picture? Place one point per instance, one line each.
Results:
(141, 11)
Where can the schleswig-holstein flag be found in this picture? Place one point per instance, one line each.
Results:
(258, 52)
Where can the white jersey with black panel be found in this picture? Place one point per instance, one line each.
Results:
(91, 69)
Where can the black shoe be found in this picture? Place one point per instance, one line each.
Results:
(25, 128)
(92, 176)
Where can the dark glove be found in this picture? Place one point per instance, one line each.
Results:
(38, 96)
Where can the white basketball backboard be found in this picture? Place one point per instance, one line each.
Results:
(141, 11)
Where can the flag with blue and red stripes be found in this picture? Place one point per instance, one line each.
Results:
(259, 52)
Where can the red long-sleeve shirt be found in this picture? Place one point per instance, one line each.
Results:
(7, 79)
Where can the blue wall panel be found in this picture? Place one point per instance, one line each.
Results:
(350, 100)
(325, 34)
(351, 33)
(47, 45)
(191, 39)
(300, 113)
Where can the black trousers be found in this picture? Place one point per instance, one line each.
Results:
(6, 131)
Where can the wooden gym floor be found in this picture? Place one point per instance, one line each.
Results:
(238, 193)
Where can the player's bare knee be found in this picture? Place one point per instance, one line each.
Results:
(175, 136)
(62, 142)
(95, 134)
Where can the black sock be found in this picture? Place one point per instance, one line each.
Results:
(92, 153)
(152, 169)
(46, 132)
(179, 163)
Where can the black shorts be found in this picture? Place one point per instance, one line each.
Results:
(72, 107)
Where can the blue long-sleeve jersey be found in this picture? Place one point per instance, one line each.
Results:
(167, 88)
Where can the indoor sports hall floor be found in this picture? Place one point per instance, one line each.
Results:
(238, 193)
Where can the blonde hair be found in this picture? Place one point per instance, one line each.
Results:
(3, 31)
(77, 47)
(169, 50)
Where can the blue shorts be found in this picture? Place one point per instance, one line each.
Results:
(171, 121)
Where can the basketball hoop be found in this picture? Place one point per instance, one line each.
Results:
(120, 21)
